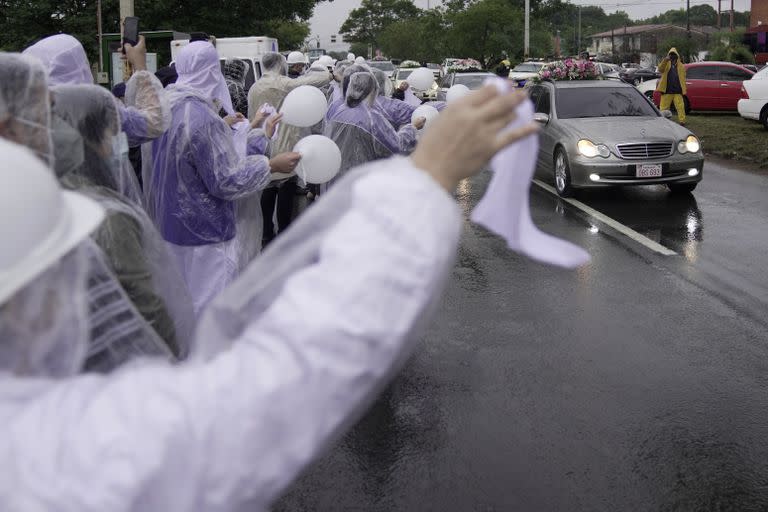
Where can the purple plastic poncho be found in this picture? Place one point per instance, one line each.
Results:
(397, 112)
(198, 175)
(361, 131)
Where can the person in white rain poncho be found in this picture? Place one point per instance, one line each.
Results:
(134, 261)
(198, 174)
(314, 328)
(64, 58)
(230, 429)
(271, 89)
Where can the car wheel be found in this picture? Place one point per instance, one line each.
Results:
(682, 188)
(562, 174)
(764, 117)
(636, 82)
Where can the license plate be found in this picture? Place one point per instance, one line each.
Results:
(648, 171)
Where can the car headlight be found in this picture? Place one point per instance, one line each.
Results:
(590, 150)
(689, 145)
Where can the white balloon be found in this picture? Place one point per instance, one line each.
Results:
(304, 106)
(351, 57)
(320, 159)
(456, 92)
(421, 79)
(427, 111)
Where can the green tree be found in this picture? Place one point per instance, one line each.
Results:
(484, 30)
(419, 38)
(366, 23)
(687, 48)
(728, 46)
(23, 22)
(359, 49)
(291, 34)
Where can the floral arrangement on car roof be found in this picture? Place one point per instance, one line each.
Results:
(569, 69)
(465, 66)
(407, 64)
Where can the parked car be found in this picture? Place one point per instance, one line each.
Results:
(598, 133)
(526, 71)
(607, 69)
(712, 85)
(385, 65)
(754, 102)
(437, 70)
(472, 80)
(402, 74)
(636, 76)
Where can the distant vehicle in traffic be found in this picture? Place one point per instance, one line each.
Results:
(712, 85)
(385, 65)
(526, 71)
(472, 80)
(636, 76)
(598, 133)
(437, 70)
(754, 102)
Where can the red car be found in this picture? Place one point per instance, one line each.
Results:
(712, 85)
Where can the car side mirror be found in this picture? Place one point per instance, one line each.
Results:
(667, 114)
(540, 117)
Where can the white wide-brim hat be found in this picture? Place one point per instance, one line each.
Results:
(40, 222)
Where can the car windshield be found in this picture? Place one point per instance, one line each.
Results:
(384, 66)
(471, 81)
(579, 102)
(403, 73)
(527, 68)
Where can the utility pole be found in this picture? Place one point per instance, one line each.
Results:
(126, 9)
(578, 49)
(99, 32)
(688, 18)
(718, 14)
(527, 42)
(732, 16)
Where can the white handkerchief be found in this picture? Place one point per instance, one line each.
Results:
(505, 207)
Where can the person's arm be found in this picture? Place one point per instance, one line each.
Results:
(148, 113)
(664, 65)
(314, 79)
(399, 111)
(242, 427)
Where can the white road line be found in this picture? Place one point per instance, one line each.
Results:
(618, 226)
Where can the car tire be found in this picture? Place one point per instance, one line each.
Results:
(562, 174)
(764, 117)
(636, 82)
(682, 188)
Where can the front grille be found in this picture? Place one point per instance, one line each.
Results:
(644, 150)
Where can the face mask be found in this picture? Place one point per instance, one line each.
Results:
(68, 151)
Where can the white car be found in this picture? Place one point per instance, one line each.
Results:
(526, 71)
(648, 87)
(755, 105)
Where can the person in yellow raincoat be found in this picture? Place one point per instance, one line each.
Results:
(672, 84)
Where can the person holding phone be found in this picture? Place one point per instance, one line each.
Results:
(672, 84)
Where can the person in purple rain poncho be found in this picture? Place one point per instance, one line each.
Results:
(64, 58)
(361, 131)
(397, 112)
(198, 174)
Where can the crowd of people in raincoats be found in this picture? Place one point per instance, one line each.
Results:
(150, 357)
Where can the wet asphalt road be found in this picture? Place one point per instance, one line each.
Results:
(639, 382)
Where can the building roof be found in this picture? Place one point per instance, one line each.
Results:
(641, 29)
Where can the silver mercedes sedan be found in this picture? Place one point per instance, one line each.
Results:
(598, 133)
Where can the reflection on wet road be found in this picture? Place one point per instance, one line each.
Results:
(636, 383)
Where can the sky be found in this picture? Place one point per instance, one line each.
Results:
(330, 15)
